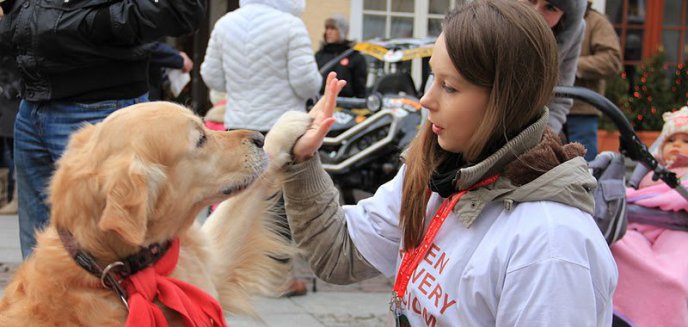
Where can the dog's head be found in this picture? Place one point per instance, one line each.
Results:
(142, 175)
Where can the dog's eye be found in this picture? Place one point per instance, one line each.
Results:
(201, 141)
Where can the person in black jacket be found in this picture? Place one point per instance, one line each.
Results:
(79, 61)
(164, 56)
(9, 104)
(352, 68)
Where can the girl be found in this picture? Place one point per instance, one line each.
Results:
(488, 222)
(653, 269)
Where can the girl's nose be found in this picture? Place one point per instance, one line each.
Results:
(428, 100)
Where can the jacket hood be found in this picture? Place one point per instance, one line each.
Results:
(569, 183)
(294, 7)
(572, 23)
(533, 166)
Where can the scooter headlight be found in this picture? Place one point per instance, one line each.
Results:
(374, 102)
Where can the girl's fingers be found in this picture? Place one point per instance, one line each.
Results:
(331, 93)
(325, 127)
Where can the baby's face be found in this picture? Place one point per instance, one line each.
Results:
(674, 145)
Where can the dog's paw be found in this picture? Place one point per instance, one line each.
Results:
(284, 134)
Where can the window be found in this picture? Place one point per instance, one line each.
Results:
(646, 25)
(388, 18)
(674, 34)
(628, 19)
(398, 18)
(437, 9)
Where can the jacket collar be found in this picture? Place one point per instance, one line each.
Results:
(534, 166)
(527, 139)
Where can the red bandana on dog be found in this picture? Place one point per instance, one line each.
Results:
(193, 304)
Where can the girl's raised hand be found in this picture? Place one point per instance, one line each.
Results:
(321, 113)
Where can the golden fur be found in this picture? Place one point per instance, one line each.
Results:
(141, 177)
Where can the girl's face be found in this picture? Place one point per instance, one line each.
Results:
(674, 145)
(331, 34)
(551, 13)
(456, 106)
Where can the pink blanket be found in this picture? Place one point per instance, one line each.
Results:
(658, 196)
(653, 265)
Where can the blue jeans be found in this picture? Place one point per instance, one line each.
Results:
(583, 129)
(41, 132)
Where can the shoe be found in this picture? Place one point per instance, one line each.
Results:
(10, 208)
(296, 288)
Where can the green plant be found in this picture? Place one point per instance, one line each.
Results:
(617, 92)
(651, 95)
(679, 87)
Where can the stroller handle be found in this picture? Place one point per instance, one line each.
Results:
(629, 143)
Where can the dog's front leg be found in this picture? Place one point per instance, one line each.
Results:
(241, 231)
(283, 135)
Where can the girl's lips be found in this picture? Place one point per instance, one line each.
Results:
(436, 129)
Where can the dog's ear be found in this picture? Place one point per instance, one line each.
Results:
(131, 192)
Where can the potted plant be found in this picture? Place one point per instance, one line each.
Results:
(653, 94)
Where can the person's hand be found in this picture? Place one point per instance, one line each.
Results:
(188, 63)
(321, 113)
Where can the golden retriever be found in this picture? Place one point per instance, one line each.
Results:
(141, 177)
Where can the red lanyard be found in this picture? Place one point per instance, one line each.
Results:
(412, 258)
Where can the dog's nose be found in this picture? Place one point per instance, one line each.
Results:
(258, 139)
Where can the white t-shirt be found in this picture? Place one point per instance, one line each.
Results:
(538, 264)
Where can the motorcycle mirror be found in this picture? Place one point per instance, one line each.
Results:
(374, 102)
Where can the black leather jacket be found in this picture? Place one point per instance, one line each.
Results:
(9, 95)
(91, 50)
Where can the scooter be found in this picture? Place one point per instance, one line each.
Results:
(363, 149)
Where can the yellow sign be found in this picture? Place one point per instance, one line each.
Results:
(381, 53)
(417, 53)
(372, 50)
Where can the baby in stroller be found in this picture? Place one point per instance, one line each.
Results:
(653, 267)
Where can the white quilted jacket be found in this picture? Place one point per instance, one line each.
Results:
(261, 55)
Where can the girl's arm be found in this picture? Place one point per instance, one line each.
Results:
(320, 226)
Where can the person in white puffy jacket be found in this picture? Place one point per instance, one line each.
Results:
(261, 55)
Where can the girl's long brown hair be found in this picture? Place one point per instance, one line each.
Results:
(506, 47)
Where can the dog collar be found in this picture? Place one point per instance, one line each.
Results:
(112, 275)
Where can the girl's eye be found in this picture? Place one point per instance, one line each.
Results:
(201, 141)
(551, 7)
(448, 88)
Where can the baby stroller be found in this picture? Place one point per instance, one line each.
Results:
(612, 212)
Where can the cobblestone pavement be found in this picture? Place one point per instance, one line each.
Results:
(6, 271)
(359, 304)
